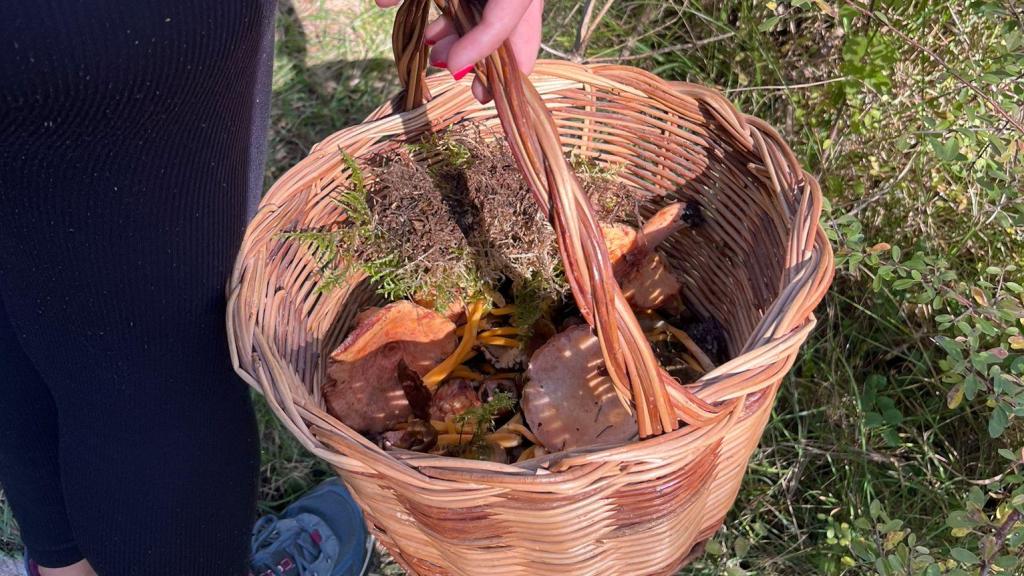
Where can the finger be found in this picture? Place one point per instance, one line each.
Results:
(387, 3)
(480, 92)
(439, 51)
(500, 17)
(525, 39)
(437, 30)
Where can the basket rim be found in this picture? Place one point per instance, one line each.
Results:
(768, 353)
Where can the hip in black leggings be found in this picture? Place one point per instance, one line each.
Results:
(131, 140)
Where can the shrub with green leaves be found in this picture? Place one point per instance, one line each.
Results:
(903, 415)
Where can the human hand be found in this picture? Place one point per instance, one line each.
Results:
(518, 21)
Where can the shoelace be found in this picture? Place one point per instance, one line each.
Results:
(303, 551)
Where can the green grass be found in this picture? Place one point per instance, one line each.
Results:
(864, 463)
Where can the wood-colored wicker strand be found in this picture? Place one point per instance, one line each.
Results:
(759, 265)
(534, 141)
(411, 53)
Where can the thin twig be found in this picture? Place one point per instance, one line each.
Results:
(555, 52)
(577, 46)
(647, 15)
(938, 59)
(588, 24)
(1012, 7)
(582, 48)
(785, 87)
(998, 540)
(675, 48)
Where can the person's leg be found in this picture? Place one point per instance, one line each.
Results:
(29, 467)
(127, 164)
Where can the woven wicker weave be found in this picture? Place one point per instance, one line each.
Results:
(759, 265)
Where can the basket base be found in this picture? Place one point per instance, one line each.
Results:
(420, 567)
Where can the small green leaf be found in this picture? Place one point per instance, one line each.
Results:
(997, 422)
(971, 385)
(741, 546)
(893, 417)
(769, 24)
(1007, 562)
(963, 555)
(960, 519)
(891, 526)
(948, 151)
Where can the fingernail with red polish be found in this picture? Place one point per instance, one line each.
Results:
(462, 73)
(429, 42)
(439, 64)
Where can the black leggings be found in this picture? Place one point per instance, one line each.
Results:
(131, 148)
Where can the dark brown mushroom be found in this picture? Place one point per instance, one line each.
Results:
(569, 400)
(364, 383)
(492, 386)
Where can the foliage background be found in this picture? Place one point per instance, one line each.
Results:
(897, 439)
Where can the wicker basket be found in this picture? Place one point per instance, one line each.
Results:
(759, 265)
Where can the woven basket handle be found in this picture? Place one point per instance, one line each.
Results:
(532, 135)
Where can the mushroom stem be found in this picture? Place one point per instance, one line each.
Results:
(705, 363)
(441, 371)
(499, 341)
(527, 454)
(465, 372)
(501, 439)
(521, 430)
(662, 335)
(502, 331)
(444, 440)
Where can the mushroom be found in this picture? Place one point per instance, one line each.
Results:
(417, 435)
(455, 310)
(494, 385)
(453, 398)
(569, 400)
(365, 374)
(647, 283)
(504, 357)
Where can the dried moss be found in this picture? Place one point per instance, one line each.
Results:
(452, 218)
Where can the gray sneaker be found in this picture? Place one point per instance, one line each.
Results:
(321, 534)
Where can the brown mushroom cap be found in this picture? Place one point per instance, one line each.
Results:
(453, 398)
(649, 284)
(646, 281)
(363, 387)
(664, 223)
(570, 400)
